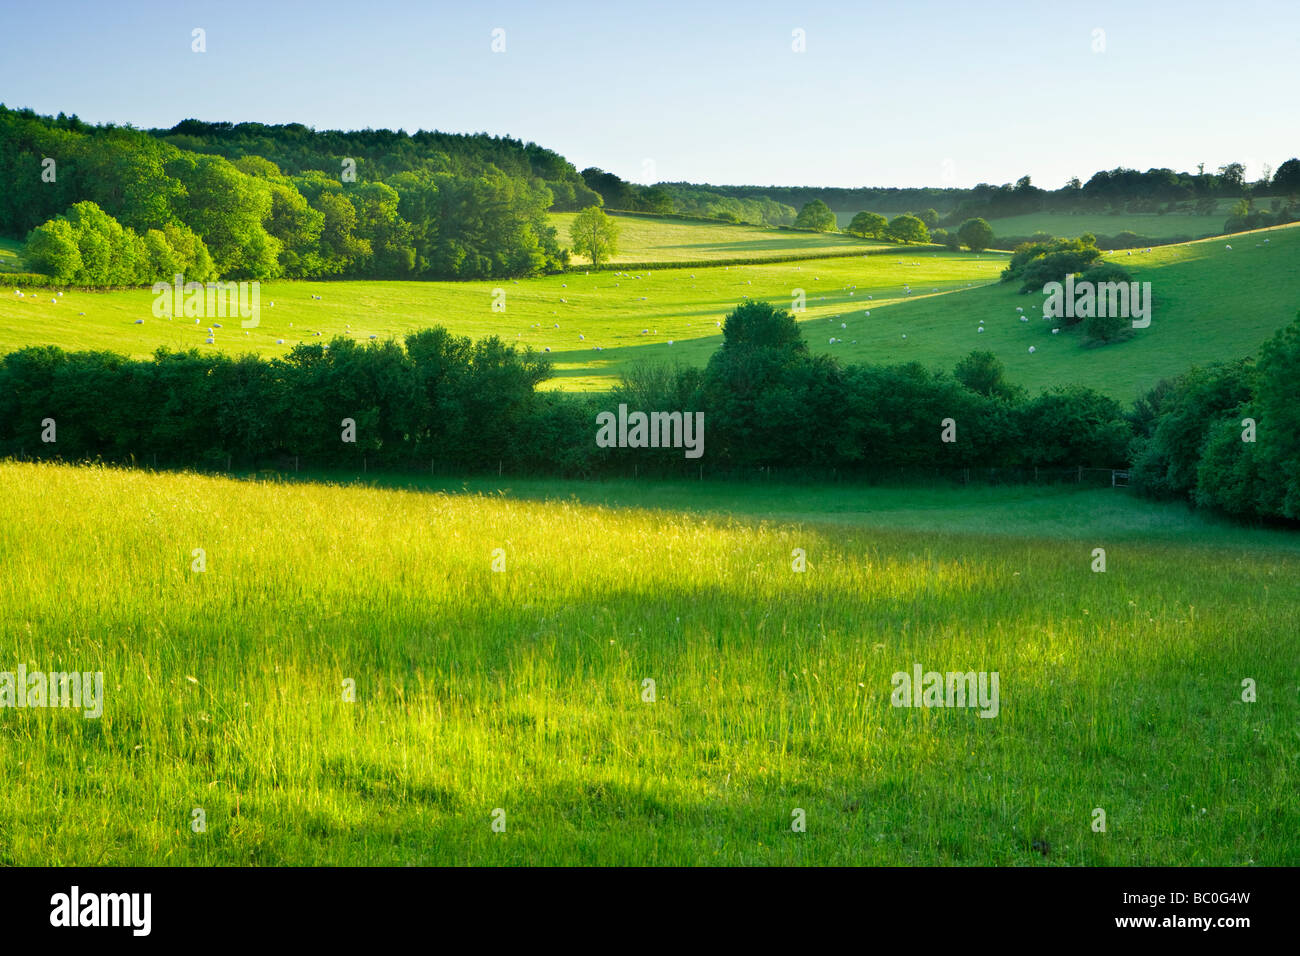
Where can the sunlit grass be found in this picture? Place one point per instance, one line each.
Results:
(522, 690)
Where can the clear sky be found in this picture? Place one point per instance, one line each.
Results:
(901, 93)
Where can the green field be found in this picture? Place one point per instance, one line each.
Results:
(523, 690)
(1210, 304)
(11, 255)
(1101, 224)
(647, 239)
(1179, 224)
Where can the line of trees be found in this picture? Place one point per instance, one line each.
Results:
(1227, 437)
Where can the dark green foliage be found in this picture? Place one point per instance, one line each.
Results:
(908, 228)
(270, 201)
(441, 401)
(1038, 263)
(816, 215)
(976, 235)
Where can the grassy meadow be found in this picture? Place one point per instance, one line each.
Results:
(1211, 303)
(649, 239)
(1168, 225)
(523, 690)
(11, 251)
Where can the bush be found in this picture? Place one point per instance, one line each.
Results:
(976, 235)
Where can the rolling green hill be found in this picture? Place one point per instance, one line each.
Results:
(650, 239)
(1210, 304)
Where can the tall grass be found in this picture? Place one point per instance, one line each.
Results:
(522, 690)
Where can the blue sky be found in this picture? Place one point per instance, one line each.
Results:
(897, 93)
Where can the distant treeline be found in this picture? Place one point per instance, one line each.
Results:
(1127, 190)
(443, 402)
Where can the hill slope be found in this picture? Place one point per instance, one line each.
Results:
(1210, 304)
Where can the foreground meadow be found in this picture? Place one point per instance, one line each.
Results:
(523, 690)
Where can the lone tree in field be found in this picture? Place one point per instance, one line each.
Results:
(975, 234)
(816, 215)
(594, 234)
(908, 228)
(868, 225)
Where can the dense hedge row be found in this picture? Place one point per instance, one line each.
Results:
(443, 402)
(1227, 437)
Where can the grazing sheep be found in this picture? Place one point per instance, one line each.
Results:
(1055, 331)
(844, 325)
(139, 321)
(980, 329)
(1020, 308)
(279, 341)
(374, 336)
(1032, 350)
(211, 341)
(581, 337)
(548, 348)
(670, 341)
(1229, 248)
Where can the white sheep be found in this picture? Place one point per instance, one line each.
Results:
(1032, 350)
(1055, 331)
(1229, 248)
(844, 325)
(139, 321)
(1020, 308)
(980, 329)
